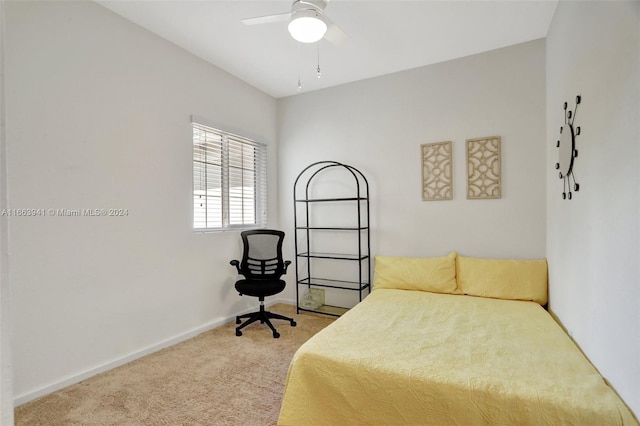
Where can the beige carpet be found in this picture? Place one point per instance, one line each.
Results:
(215, 378)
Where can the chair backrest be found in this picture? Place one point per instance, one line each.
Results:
(262, 254)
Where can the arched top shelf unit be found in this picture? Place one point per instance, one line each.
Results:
(331, 215)
(303, 190)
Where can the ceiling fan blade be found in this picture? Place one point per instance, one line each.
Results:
(334, 34)
(270, 19)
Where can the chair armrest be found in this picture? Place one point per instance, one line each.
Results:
(286, 265)
(236, 263)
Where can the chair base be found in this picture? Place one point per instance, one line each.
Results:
(264, 317)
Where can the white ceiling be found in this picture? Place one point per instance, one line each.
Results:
(385, 36)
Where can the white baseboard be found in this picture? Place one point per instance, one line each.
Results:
(76, 378)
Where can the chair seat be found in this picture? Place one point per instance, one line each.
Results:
(260, 288)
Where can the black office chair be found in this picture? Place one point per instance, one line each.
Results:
(262, 267)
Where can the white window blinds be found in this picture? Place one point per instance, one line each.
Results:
(229, 181)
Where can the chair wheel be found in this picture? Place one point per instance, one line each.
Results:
(293, 323)
(238, 320)
(238, 333)
(276, 334)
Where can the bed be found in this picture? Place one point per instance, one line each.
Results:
(448, 341)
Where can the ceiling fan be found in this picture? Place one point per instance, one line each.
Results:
(307, 22)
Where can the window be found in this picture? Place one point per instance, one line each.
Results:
(229, 181)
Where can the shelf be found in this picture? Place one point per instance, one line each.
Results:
(348, 211)
(333, 228)
(335, 311)
(324, 282)
(325, 200)
(337, 256)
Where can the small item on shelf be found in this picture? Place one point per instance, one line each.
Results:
(313, 298)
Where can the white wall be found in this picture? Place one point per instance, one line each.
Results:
(593, 240)
(98, 117)
(378, 125)
(6, 383)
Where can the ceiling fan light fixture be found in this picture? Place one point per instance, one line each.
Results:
(307, 26)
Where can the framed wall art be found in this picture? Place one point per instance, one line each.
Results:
(437, 177)
(484, 180)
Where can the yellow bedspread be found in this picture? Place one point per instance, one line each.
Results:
(419, 358)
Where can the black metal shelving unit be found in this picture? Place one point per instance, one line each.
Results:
(309, 253)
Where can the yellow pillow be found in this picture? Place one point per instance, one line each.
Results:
(434, 274)
(503, 278)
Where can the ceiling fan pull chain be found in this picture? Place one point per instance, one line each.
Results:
(318, 69)
(299, 82)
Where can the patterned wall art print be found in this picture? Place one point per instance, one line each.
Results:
(437, 182)
(483, 168)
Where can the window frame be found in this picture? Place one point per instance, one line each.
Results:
(230, 170)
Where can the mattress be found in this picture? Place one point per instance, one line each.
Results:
(420, 358)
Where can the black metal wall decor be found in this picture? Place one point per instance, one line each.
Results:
(567, 152)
